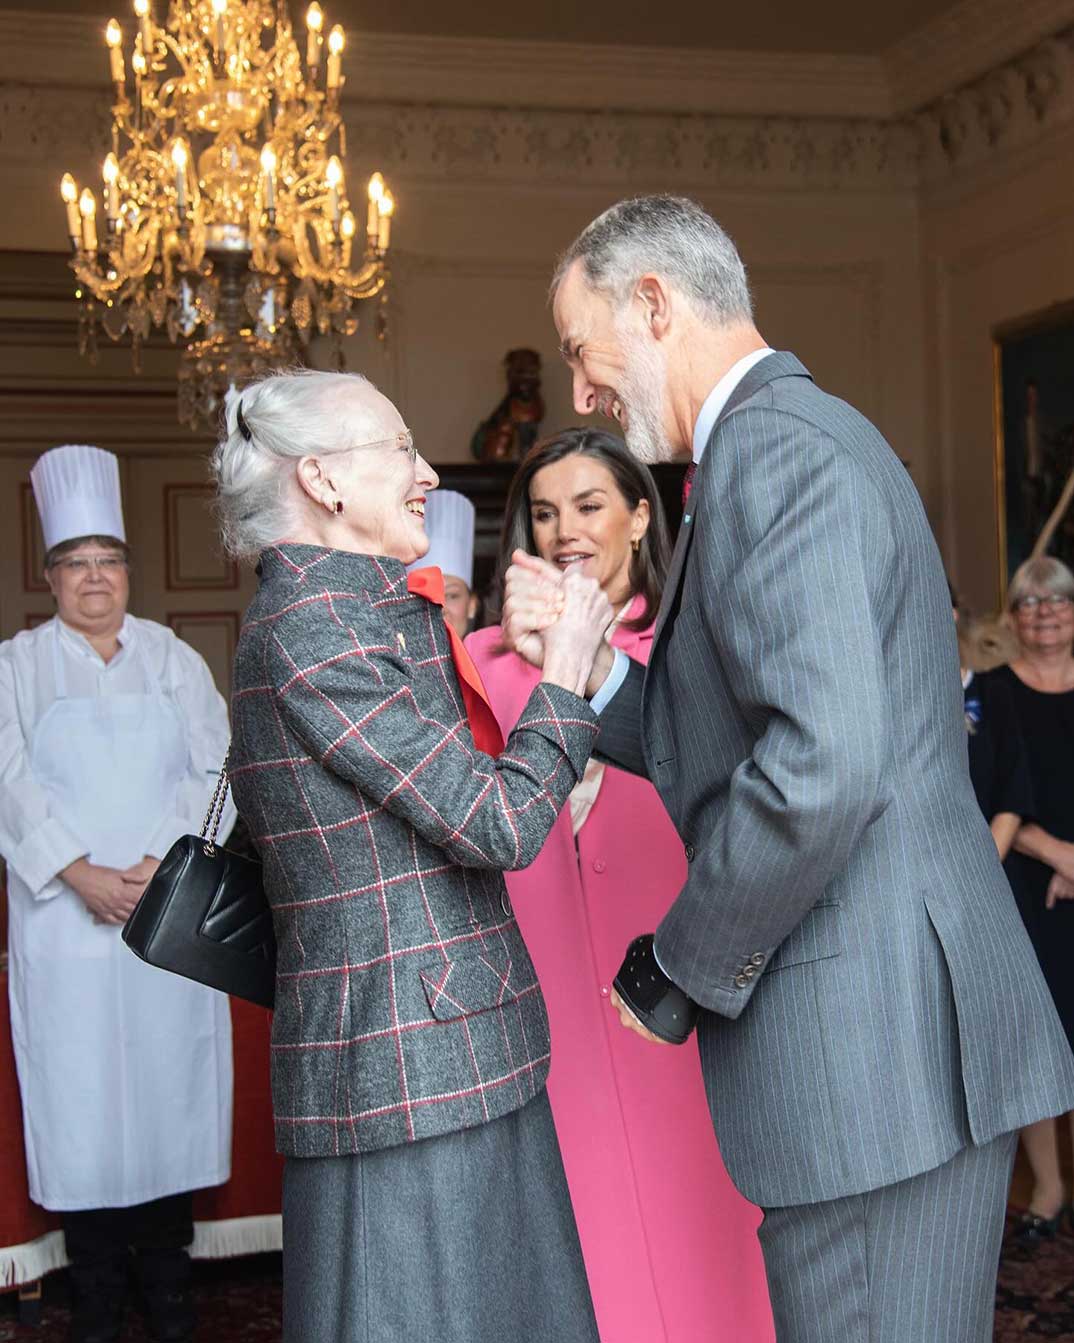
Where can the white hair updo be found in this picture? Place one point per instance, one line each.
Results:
(284, 416)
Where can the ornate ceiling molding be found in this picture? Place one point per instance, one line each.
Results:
(1000, 113)
(513, 74)
(426, 109)
(964, 43)
(527, 147)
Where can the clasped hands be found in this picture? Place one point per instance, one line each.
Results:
(109, 893)
(541, 603)
(552, 614)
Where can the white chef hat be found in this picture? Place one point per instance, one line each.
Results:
(77, 492)
(449, 523)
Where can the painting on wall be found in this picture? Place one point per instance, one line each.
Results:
(1034, 390)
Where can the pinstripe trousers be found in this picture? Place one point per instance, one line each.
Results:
(914, 1262)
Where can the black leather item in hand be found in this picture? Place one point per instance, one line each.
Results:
(658, 1003)
(204, 915)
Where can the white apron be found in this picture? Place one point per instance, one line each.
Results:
(125, 1071)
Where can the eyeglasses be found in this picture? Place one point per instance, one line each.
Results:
(1055, 601)
(404, 442)
(82, 564)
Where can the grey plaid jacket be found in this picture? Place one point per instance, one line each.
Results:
(406, 1002)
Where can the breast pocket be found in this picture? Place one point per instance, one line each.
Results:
(817, 938)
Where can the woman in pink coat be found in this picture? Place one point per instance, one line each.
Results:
(670, 1247)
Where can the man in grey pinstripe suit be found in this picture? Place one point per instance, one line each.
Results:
(873, 1025)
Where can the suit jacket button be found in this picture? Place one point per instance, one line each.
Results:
(749, 971)
(689, 853)
(757, 959)
(505, 903)
(741, 981)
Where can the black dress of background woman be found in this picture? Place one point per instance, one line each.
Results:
(999, 764)
(1046, 721)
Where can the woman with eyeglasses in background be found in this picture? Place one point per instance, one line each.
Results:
(111, 738)
(1040, 681)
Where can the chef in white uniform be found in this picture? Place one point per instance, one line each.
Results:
(449, 525)
(111, 736)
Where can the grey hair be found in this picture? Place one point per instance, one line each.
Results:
(670, 236)
(291, 414)
(1045, 574)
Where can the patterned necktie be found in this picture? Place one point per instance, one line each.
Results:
(429, 583)
(688, 483)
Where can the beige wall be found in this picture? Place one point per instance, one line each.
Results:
(883, 252)
(997, 246)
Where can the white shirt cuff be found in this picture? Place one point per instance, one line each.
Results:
(44, 854)
(612, 682)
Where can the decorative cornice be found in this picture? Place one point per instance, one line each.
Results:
(630, 119)
(965, 42)
(1001, 112)
(68, 49)
(527, 147)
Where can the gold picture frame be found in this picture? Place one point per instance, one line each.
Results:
(1047, 337)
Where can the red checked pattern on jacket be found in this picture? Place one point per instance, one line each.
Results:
(406, 1002)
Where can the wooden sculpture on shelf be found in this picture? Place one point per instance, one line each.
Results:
(512, 428)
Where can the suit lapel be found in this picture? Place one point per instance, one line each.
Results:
(779, 364)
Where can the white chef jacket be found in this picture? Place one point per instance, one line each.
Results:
(125, 1071)
(36, 845)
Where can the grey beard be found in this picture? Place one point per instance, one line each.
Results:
(644, 441)
(642, 398)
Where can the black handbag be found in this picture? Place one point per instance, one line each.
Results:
(204, 915)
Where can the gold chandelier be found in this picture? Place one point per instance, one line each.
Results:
(225, 213)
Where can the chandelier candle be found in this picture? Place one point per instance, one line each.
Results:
(229, 226)
(113, 36)
(372, 219)
(69, 192)
(145, 16)
(314, 24)
(110, 173)
(179, 158)
(268, 167)
(386, 207)
(219, 33)
(87, 206)
(336, 41)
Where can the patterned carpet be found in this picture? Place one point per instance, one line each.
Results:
(239, 1301)
(1035, 1297)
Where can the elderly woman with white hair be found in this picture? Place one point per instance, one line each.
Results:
(1040, 681)
(424, 1195)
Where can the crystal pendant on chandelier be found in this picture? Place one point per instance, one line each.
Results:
(225, 213)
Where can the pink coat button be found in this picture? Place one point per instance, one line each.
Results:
(604, 991)
(599, 865)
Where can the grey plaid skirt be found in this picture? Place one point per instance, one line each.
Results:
(465, 1238)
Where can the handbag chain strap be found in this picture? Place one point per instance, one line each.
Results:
(216, 808)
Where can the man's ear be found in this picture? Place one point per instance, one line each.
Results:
(655, 298)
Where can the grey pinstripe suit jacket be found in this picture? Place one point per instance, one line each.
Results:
(406, 1003)
(872, 1000)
